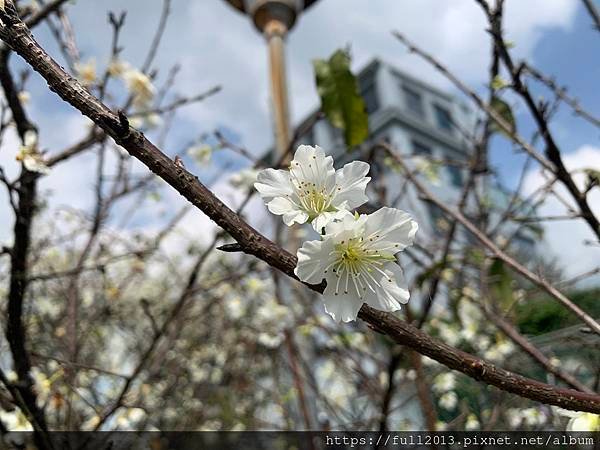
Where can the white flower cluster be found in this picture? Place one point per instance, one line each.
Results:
(138, 84)
(356, 253)
(531, 417)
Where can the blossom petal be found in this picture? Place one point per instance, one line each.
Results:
(313, 259)
(281, 206)
(392, 292)
(34, 163)
(30, 139)
(323, 219)
(342, 307)
(584, 422)
(311, 165)
(272, 183)
(394, 228)
(351, 184)
(566, 412)
(346, 222)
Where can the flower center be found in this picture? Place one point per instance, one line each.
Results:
(357, 266)
(314, 199)
(352, 254)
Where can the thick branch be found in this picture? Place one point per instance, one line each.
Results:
(23, 392)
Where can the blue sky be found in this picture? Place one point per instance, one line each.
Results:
(217, 46)
(571, 56)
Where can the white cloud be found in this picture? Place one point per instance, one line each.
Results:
(566, 238)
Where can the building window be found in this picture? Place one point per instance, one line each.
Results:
(414, 101)
(370, 98)
(443, 118)
(421, 149)
(455, 176)
(368, 91)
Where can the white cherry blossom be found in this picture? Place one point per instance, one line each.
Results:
(356, 258)
(449, 400)
(86, 72)
(140, 86)
(312, 190)
(30, 156)
(580, 421)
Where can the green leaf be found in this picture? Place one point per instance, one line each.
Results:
(504, 110)
(340, 98)
(501, 283)
(542, 314)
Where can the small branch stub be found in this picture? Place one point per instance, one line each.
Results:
(231, 248)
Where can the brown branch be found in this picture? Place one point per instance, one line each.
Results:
(16, 335)
(44, 12)
(16, 34)
(160, 31)
(478, 369)
(178, 103)
(593, 12)
(423, 392)
(561, 93)
(388, 395)
(96, 136)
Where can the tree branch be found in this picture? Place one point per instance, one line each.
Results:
(593, 11)
(23, 392)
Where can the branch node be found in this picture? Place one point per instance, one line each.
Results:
(231, 248)
(124, 124)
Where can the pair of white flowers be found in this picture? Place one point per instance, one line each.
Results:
(356, 253)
